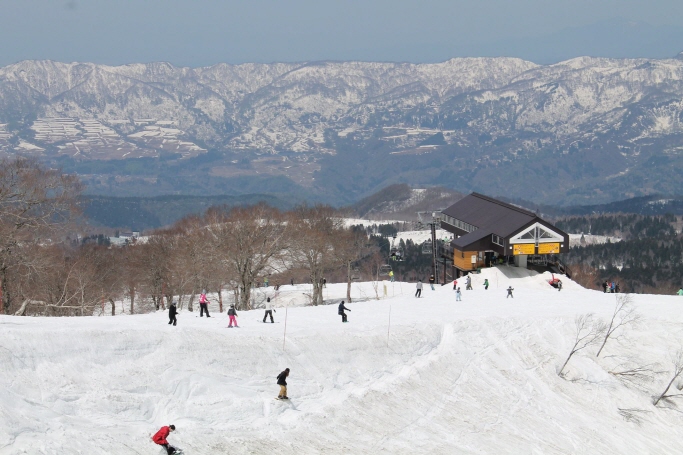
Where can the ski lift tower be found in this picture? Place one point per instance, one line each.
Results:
(435, 219)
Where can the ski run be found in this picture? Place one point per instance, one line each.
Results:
(403, 376)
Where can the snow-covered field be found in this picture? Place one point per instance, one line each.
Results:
(404, 376)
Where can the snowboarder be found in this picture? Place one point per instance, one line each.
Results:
(418, 293)
(391, 276)
(233, 316)
(172, 311)
(269, 311)
(341, 311)
(431, 281)
(203, 304)
(282, 382)
(486, 283)
(468, 283)
(458, 295)
(510, 289)
(160, 438)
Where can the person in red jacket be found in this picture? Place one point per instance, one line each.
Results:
(160, 438)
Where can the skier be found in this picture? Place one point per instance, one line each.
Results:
(265, 282)
(418, 293)
(455, 284)
(458, 295)
(341, 311)
(431, 281)
(391, 276)
(486, 283)
(291, 281)
(160, 438)
(269, 311)
(233, 316)
(468, 283)
(172, 311)
(680, 291)
(559, 285)
(203, 304)
(510, 289)
(282, 382)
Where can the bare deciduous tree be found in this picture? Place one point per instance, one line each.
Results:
(317, 234)
(588, 332)
(624, 314)
(250, 240)
(635, 373)
(34, 203)
(353, 246)
(677, 371)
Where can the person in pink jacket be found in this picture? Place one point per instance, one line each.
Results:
(203, 304)
(233, 316)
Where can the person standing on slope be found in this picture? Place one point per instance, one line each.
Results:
(468, 283)
(510, 289)
(680, 291)
(172, 311)
(391, 276)
(282, 382)
(431, 281)
(160, 438)
(233, 316)
(203, 304)
(455, 284)
(341, 311)
(486, 283)
(458, 295)
(269, 311)
(418, 292)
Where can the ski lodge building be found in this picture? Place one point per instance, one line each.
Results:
(487, 231)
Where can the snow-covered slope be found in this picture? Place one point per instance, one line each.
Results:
(289, 106)
(403, 376)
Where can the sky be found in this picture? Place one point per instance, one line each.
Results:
(205, 32)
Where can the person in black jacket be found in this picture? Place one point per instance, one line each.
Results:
(171, 313)
(282, 382)
(341, 311)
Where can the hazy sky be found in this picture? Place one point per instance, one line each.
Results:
(205, 32)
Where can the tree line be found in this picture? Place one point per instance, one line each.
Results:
(648, 259)
(47, 269)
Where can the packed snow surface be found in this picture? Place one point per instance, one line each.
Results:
(404, 376)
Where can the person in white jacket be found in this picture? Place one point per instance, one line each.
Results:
(269, 311)
(418, 292)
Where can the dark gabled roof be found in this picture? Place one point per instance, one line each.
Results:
(489, 214)
(469, 238)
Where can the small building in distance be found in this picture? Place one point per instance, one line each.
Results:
(488, 231)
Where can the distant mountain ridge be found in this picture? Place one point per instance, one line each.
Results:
(586, 130)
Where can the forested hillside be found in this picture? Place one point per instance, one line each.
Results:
(647, 260)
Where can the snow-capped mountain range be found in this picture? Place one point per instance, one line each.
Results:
(593, 119)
